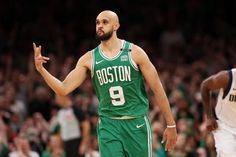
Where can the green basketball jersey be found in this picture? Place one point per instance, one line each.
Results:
(118, 84)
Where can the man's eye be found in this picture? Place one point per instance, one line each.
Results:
(105, 22)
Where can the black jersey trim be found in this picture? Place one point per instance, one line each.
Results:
(227, 89)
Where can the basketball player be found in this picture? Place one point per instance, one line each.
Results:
(223, 125)
(118, 69)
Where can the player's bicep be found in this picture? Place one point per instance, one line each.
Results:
(147, 68)
(151, 76)
(76, 77)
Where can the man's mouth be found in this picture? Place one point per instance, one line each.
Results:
(100, 32)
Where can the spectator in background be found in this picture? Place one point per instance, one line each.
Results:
(37, 132)
(74, 127)
(4, 150)
(17, 106)
(23, 148)
(41, 102)
(42, 126)
(54, 147)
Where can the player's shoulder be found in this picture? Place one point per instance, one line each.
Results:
(223, 73)
(85, 59)
(137, 51)
(222, 77)
(86, 56)
(217, 76)
(136, 48)
(138, 54)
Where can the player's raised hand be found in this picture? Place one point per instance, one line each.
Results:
(38, 58)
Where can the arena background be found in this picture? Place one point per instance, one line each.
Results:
(187, 41)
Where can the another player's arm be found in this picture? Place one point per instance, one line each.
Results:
(73, 79)
(85, 126)
(214, 82)
(151, 76)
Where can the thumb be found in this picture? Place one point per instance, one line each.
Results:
(163, 138)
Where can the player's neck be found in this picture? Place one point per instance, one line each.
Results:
(111, 45)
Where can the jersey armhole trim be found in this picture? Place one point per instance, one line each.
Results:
(133, 64)
(227, 89)
(92, 63)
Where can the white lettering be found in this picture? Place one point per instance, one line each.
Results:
(113, 74)
(109, 74)
(104, 75)
(121, 73)
(127, 73)
(115, 67)
(99, 77)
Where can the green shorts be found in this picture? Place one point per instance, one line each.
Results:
(125, 138)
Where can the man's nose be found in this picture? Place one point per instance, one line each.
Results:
(100, 26)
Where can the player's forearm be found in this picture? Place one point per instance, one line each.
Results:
(166, 110)
(55, 84)
(163, 103)
(205, 92)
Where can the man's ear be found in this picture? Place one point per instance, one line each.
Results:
(116, 26)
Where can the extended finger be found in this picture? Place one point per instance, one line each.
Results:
(40, 59)
(37, 50)
(34, 46)
(46, 58)
(163, 138)
(170, 144)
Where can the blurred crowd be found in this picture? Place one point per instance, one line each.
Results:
(186, 40)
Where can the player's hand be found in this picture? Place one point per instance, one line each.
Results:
(83, 148)
(211, 124)
(38, 58)
(170, 137)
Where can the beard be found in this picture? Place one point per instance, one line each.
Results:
(104, 37)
